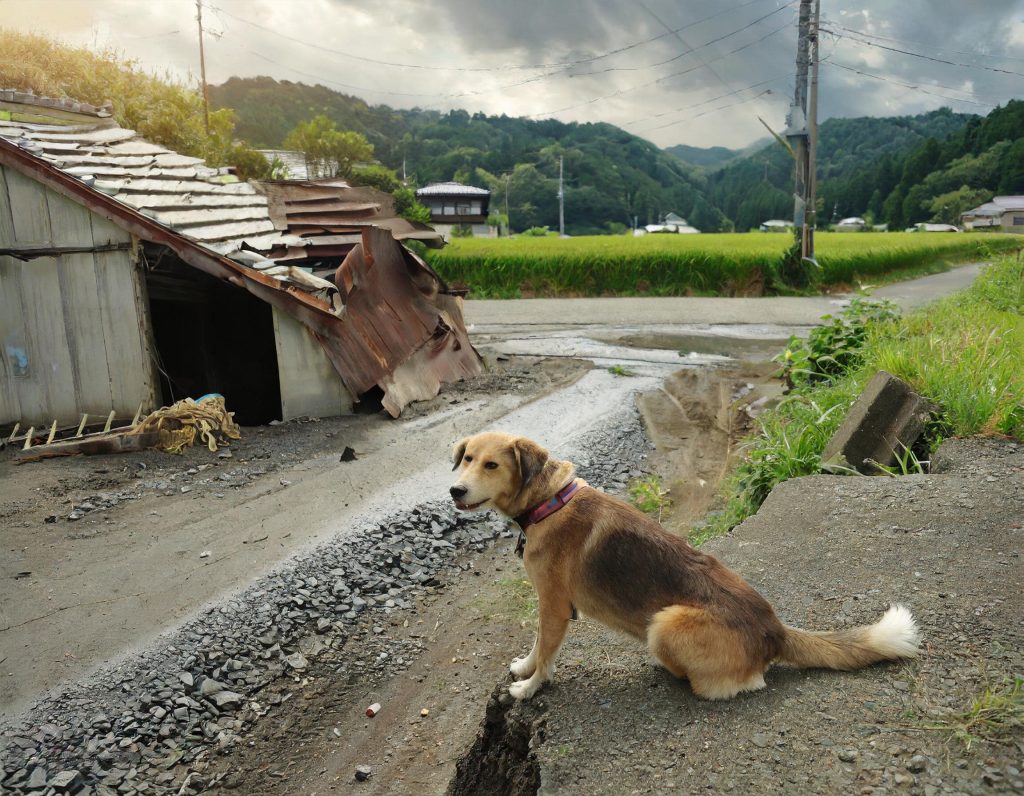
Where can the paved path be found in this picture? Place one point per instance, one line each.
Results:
(781, 311)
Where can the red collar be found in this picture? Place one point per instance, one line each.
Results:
(545, 509)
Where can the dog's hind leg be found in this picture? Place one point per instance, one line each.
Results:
(691, 643)
(551, 627)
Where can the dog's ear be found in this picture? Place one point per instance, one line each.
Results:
(458, 451)
(531, 459)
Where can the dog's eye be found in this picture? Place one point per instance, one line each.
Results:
(491, 466)
(467, 459)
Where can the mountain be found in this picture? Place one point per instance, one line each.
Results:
(713, 157)
(709, 157)
(760, 185)
(611, 176)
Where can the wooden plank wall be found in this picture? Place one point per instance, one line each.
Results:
(310, 386)
(80, 320)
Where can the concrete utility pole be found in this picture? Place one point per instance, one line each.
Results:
(202, 66)
(561, 201)
(811, 215)
(798, 124)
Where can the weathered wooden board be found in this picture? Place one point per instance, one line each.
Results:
(28, 210)
(309, 383)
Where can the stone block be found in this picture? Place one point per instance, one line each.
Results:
(887, 416)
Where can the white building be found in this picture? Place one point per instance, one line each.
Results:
(1003, 212)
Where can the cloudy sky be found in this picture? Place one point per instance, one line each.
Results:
(697, 72)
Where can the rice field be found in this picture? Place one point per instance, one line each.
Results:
(679, 265)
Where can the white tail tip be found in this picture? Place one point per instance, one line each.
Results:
(895, 635)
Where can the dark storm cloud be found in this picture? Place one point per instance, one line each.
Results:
(657, 88)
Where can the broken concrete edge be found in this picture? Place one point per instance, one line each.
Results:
(886, 419)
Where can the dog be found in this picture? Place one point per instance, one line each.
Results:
(587, 550)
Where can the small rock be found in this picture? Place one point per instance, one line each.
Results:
(297, 661)
(65, 780)
(424, 713)
(760, 740)
(205, 554)
(847, 755)
(917, 763)
(363, 773)
(37, 779)
(209, 686)
(224, 698)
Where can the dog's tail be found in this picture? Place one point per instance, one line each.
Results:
(893, 636)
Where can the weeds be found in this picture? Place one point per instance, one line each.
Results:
(619, 370)
(996, 715)
(964, 353)
(650, 496)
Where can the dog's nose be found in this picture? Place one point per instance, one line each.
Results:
(458, 491)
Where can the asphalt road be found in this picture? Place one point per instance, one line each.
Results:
(785, 311)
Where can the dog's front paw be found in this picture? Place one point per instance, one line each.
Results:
(522, 667)
(524, 689)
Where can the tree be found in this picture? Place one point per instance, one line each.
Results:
(409, 207)
(946, 208)
(380, 177)
(329, 151)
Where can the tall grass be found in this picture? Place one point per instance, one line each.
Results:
(678, 265)
(964, 353)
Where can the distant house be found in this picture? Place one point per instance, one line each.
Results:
(852, 224)
(453, 205)
(673, 224)
(1003, 212)
(776, 225)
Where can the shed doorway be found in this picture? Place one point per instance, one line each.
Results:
(211, 336)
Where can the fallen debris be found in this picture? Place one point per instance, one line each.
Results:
(885, 420)
(363, 773)
(373, 710)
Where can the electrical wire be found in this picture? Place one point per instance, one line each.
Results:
(710, 111)
(913, 86)
(920, 55)
(562, 65)
(835, 24)
(628, 89)
(703, 102)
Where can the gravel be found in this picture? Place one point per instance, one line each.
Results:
(152, 722)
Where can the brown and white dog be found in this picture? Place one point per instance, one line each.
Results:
(589, 551)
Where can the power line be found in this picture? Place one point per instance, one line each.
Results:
(921, 55)
(921, 43)
(675, 32)
(563, 65)
(703, 102)
(708, 112)
(628, 89)
(913, 86)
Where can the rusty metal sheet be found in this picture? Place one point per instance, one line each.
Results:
(394, 324)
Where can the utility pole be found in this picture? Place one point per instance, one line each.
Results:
(202, 66)
(796, 131)
(561, 201)
(812, 142)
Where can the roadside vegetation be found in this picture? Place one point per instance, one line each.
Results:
(679, 265)
(965, 353)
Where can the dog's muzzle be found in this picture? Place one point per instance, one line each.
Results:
(458, 492)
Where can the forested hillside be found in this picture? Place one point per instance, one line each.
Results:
(610, 175)
(760, 186)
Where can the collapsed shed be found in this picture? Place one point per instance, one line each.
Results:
(131, 275)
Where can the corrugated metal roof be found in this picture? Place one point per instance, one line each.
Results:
(451, 189)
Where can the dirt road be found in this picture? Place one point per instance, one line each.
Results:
(125, 591)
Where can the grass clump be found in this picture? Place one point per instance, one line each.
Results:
(997, 715)
(619, 370)
(650, 496)
(964, 353)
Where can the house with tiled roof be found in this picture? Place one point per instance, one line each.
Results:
(132, 275)
(1004, 213)
(457, 206)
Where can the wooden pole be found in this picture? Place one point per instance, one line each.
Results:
(202, 66)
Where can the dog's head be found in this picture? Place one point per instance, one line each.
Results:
(494, 469)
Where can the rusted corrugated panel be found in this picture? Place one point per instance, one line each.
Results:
(397, 332)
